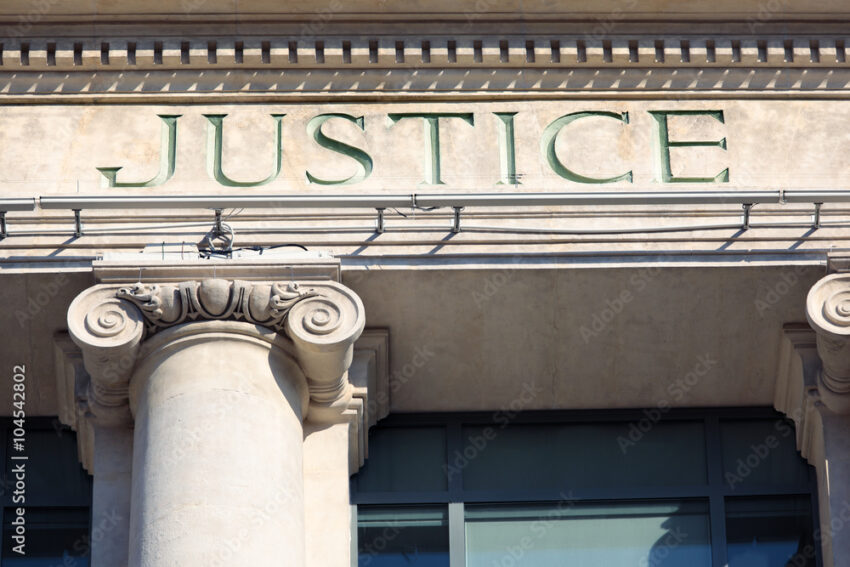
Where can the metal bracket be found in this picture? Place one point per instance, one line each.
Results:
(78, 224)
(218, 231)
(745, 222)
(217, 227)
(816, 216)
(456, 221)
(3, 232)
(379, 223)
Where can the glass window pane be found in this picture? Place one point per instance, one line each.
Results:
(54, 536)
(625, 534)
(770, 532)
(761, 453)
(569, 456)
(54, 475)
(397, 536)
(404, 459)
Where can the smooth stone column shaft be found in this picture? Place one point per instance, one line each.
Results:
(217, 465)
(834, 490)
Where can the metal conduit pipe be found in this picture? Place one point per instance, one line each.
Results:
(445, 200)
(13, 204)
(457, 201)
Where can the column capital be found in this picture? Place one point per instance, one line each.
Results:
(322, 319)
(828, 312)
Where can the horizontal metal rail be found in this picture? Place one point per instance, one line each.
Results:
(17, 204)
(226, 202)
(442, 200)
(456, 201)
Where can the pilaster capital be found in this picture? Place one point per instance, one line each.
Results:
(828, 312)
(109, 332)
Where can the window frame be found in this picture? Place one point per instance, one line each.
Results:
(715, 491)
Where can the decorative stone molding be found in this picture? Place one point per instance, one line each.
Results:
(439, 51)
(587, 82)
(285, 68)
(323, 319)
(828, 312)
(167, 305)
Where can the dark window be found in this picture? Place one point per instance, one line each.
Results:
(673, 488)
(57, 491)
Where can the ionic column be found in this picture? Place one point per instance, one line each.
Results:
(828, 311)
(219, 376)
(217, 461)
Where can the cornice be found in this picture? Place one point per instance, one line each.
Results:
(201, 87)
(459, 51)
(96, 11)
(281, 68)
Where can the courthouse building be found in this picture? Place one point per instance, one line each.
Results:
(387, 283)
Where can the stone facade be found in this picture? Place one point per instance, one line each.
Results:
(248, 233)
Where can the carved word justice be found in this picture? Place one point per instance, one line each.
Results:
(432, 175)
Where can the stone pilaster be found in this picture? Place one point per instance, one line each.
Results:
(813, 389)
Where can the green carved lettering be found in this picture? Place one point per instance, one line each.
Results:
(215, 132)
(507, 149)
(547, 147)
(664, 170)
(364, 161)
(432, 138)
(167, 158)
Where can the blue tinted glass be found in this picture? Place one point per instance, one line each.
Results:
(404, 459)
(759, 453)
(399, 536)
(54, 537)
(54, 475)
(770, 532)
(581, 455)
(611, 534)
